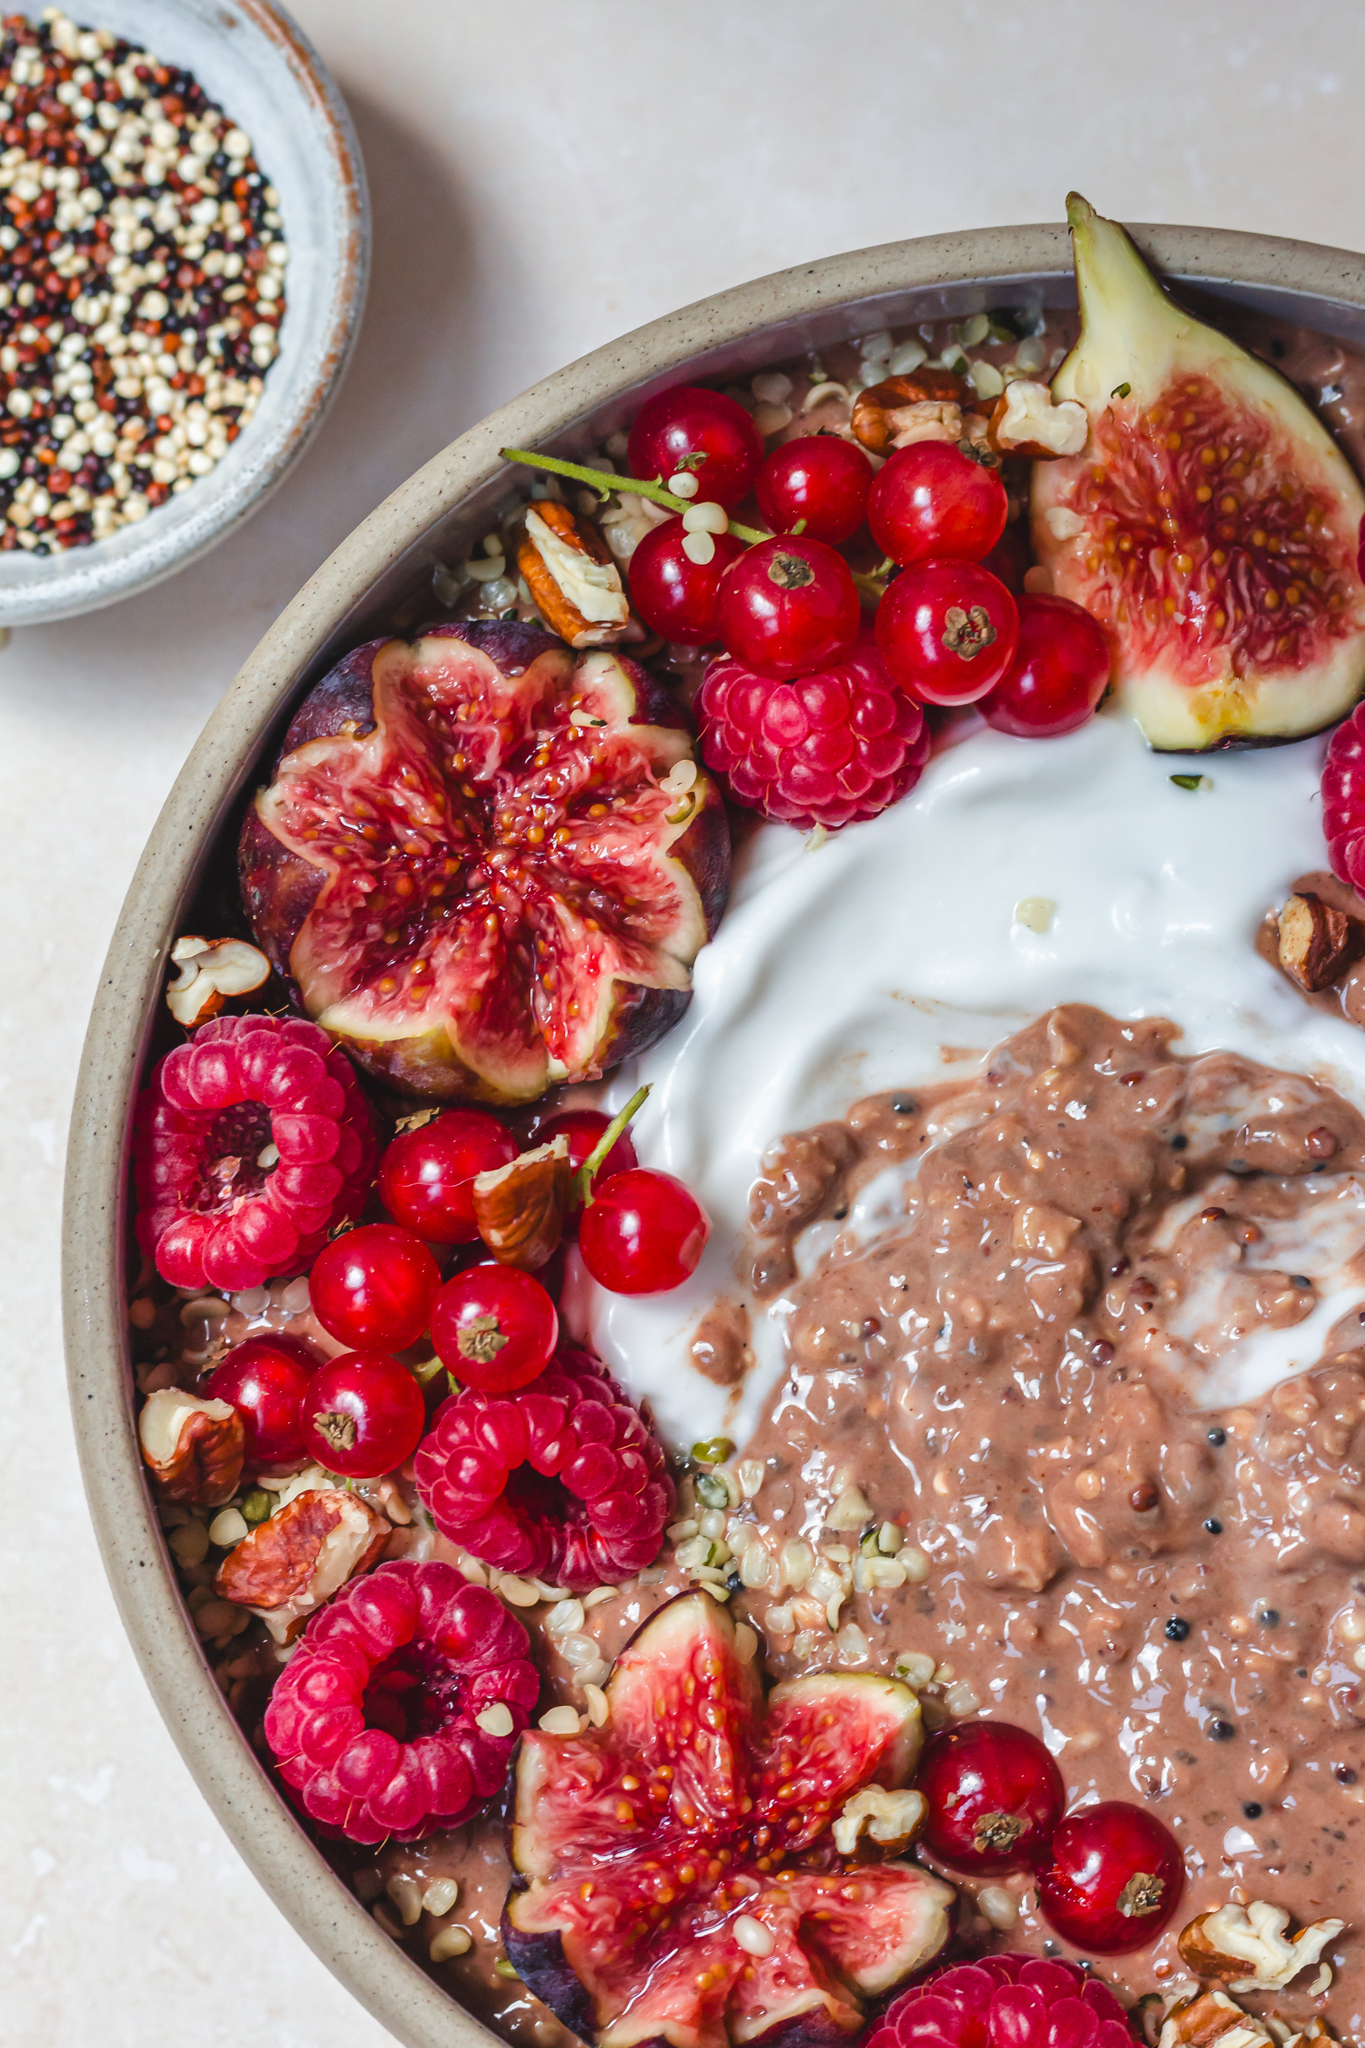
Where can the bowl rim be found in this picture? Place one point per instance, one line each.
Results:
(48, 600)
(340, 1931)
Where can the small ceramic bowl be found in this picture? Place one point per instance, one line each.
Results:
(253, 60)
(381, 577)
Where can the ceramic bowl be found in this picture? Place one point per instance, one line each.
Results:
(256, 63)
(382, 574)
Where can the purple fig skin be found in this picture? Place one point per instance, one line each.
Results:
(538, 1960)
(279, 888)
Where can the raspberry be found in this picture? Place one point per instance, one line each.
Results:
(825, 749)
(214, 1209)
(1343, 800)
(1006, 2001)
(374, 1723)
(562, 1480)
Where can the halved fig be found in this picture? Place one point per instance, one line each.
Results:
(678, 1876)
(1211, 523)
(468, 867)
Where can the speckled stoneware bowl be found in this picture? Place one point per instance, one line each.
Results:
(254, 60)
(380, 573)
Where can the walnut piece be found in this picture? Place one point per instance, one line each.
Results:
(1247, 1948)
(208, 971)
(308, 1549)
(194, 1447)
(1027, 422)
(1212, 2017)
(926, 406)
(890, 1818)
(572, 577)
(520, 1207)
(1317, 942)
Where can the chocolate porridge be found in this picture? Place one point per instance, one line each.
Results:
(1027, 1368)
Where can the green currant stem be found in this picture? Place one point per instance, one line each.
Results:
(583, 1179)
(604, 481)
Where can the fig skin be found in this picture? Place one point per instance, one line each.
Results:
(280, 888)
(1264, 645)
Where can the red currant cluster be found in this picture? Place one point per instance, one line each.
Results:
(495, 1327)
(787, 607)
(1109, 1876)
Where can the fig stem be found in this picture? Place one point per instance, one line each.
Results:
(606, 481)
(583, 1179)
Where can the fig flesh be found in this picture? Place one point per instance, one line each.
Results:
(1211, 524)
(474, 867)
(678, 1876)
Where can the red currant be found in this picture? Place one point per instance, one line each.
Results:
(426, 1177)
(932, 501)
(363, 1415)
(584, 1129)
(642, 1232)
(673, 594)
(266, 1379)
(1059, 672)
(947, 631)
(995, 1796)
(788, 606)
(702, 433)
(1114, 1878)
(374, 1287)
(495, 1328)
(819, 480)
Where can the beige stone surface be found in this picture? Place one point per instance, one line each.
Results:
(544, 176)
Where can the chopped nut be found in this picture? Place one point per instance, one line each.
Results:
(209, 971)
(519, 1208)
(496, 1720)
(850, 1511)
(194, 1447)
(1210, 2017)
(561, 1721)
(890, 1818)
(1246, 1947)
(924, 407)
(451, 1941)
(303, 1554)
(1317, 941)
(572, 577)
(1026, 422)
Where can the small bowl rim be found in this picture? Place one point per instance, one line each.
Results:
(340, 1931)
(51, 598)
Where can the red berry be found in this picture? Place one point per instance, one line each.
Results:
(426, 1177)
(702, 433)
(1114, 1879)
(363, 1415)
(1008, 2001)
(995, 1797)
(822, 750)
(564, 1481)
(931, 501)
(243, 1091)
(1343, 799)
(788, 606)
(948, 631)
(642, 1232)
(584, 1129)
(673, 594)
(818, 479)
(494, 1327)
(1058, 675)
(374, 1287)
(375, 1722)
(266, 1379)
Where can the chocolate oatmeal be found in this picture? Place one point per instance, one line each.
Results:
(1037, 1321)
